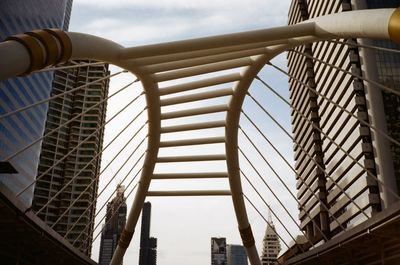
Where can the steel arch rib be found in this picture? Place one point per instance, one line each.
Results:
(384, 23)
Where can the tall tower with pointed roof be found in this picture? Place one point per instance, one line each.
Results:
(271, 244)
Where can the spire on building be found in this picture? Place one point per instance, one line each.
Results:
(271, 244)
(115, 222)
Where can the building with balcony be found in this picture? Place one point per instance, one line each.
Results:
(317, 125)
(68, 174)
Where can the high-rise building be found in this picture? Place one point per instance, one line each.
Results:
(318, 162)
(218, 251)
(148, 245)
(73, 152)
(19, 130)
(236, 255)
(271, 244)
(114, 224)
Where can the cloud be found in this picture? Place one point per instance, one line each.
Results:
(140, 22)
(184, 227)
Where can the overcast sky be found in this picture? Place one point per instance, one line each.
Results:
(184, 226)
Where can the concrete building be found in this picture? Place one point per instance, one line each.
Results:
(218, 251)
(148, 245)
(20, 130)
(114, 224)
(82, 140)
(314, 152)
(236, 255)
(271, 244)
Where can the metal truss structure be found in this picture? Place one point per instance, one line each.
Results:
(243, 54)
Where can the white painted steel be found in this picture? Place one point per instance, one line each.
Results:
(198, 141)
(193, 126)
(200, 84)
(192, 158)
(197, 97)
(191, 175)
(193, 112)
(249, 50)
(190, 193)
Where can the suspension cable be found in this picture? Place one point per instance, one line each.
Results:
(101, 192)
(117, 208)
(112, 215)
(58, 95)
(376, 129)
(105, 203)
(262, 216)
(383, 87)
(273, 193)
(284, 184)
(313, 159)
(355, 44)
(66, 123)
(295, 172)
(379, 131)
(72, 179)
(329, 138)
(77, 146)
(273, 228)
(97, 178)
(57, 67)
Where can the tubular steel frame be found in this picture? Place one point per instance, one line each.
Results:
(249, 51)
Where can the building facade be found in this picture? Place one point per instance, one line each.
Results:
(218, 251)
(318, 162)
(72, 154)
(271, 245)
(148, 245)
(236, 255)
(114, 224)
(19, 130)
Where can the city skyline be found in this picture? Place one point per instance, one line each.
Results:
(334, 185)
(176, 23)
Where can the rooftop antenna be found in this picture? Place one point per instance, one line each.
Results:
(269, 217)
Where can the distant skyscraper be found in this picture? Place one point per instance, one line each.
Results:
(82, 140)
(236, 255)
(218, 251)
(20, 130)
(271, 244)
(314, 148)
(148, 245)
(114, 224)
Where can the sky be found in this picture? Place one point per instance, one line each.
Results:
(184, 226)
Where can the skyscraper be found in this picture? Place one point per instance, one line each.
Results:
(21, 129)
(218, 251)
(72, 154)
(236, 255)
(319, 163)
(271, 244)
(148, 245)
(114, 224)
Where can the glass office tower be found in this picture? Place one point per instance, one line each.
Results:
(21, 129)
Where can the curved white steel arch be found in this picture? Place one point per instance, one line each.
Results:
(169, 61)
